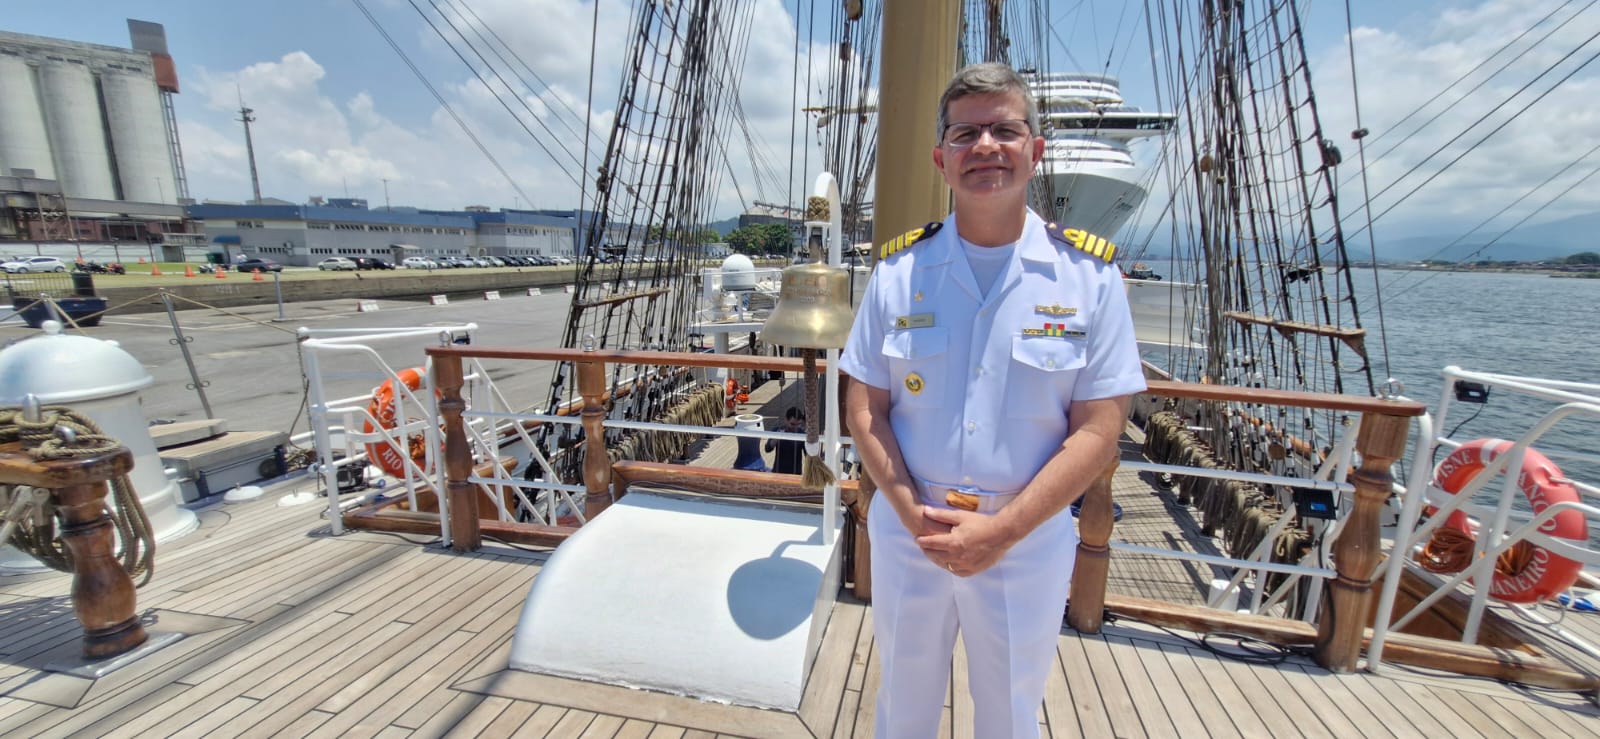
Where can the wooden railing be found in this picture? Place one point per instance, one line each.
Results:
(1356, 554)
(102, 593)
(1341, 627)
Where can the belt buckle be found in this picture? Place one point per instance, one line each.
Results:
(961, 498)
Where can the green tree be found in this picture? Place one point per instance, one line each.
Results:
(762, 238)
(1584, 257)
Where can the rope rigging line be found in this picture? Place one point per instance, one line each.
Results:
(1518, 224)
(1468, 94)
(498, 96)
(575, 117)
(1513, 117)
(1248, 155)
(658, 181)
(440, 99)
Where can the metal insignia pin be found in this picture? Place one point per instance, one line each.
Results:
(914, 383)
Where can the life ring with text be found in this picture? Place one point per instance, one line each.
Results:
(381, 408)
(1525, 573)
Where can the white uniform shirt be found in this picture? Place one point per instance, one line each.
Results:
(980, 387)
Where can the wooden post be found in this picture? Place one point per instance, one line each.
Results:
(1356, 554)
(465, 535)
(102, 593)
(596, 465)
(1086, 600)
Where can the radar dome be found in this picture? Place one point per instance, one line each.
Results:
(738, 273)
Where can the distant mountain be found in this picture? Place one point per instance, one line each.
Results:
(725, 227)
(1538, 242)
(1418, 248)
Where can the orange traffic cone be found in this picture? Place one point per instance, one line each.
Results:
(222, 272)
(188, 270)
(258, 277)
(155, 269)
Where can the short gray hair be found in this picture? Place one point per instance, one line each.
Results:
(987, 78)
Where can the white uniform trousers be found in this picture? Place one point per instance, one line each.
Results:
(1009, 617)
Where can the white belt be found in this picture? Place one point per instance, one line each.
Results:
(964, 497)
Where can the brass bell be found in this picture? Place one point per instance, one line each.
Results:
(813, 310)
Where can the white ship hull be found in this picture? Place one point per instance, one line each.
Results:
(1096, 198)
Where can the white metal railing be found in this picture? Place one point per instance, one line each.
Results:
(1258, 562)
(492, 423)
(352, 411)
(1499, 526)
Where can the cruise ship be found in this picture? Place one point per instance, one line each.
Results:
(1089, 179)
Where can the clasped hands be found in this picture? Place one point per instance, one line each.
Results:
(962, 542)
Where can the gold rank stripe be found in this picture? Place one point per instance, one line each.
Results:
(901, 242)
(1086, 242)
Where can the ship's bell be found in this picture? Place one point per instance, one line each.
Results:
(813, 310)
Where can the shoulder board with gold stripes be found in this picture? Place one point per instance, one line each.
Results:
(1083, 241)
(905, 240)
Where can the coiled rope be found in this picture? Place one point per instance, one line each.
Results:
(35, 532)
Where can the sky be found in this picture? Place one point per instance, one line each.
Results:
(338, 113)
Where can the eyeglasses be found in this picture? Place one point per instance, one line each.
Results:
(963, 135)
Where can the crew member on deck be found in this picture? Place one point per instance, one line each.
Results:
(994, 359)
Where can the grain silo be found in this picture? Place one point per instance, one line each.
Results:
(97, 119)
(77, 135)
(133, 113)
(23, 141)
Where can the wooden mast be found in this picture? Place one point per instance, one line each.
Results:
(919, 55)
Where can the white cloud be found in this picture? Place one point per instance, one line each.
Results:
(1401, 68)
(307, 143)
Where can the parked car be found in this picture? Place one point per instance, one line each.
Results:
(254, 263)
(337, 263)
(372, 263)
(35, 264)
(418, 263)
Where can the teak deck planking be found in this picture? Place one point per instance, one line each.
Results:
(374, 634)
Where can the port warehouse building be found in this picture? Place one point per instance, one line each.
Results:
(90, 158)
(346, 227)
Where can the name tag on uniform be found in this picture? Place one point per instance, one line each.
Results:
(915, 320)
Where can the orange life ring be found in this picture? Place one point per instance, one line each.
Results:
(381, 408)
(1536, 574)
(733, 394)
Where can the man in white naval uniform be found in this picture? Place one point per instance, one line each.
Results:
(993, 359)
